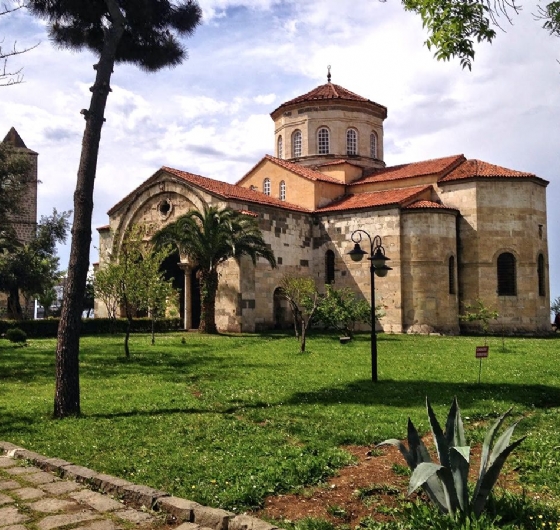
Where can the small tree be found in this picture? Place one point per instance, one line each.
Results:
(342, 309)
(303, 298)
(478, 312)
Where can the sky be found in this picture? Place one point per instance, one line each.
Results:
(210, 115)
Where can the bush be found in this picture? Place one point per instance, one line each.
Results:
(16, 335)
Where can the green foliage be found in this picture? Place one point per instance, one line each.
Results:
(210, 238)
(446, 483)
(479, 312)
(16, 335)
(555, 306)
(32, 269)
(342, 309)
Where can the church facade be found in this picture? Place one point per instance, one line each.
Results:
(456, 230)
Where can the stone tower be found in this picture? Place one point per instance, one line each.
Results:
(25, 218)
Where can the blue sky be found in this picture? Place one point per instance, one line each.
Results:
(211, 114)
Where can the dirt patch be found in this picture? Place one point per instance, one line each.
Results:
(373, 487)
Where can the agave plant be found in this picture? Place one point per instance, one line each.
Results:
(445, 482)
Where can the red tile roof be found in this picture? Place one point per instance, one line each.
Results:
(372, 199)
(414, 169)
(330, 91)
(478, 168)
(337, 162)
(420, 205)
(298, 169)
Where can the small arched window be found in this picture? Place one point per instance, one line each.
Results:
(351, 142)
(266, 186)
(280, 149)
(540, 275)
(507, 281)
(323, 141)
(373, 145)
(296, 144)
(451, 273)
(282, 190)
(329, 267)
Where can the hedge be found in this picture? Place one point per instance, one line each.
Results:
(90, 326)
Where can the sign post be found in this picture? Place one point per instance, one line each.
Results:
(481, 353)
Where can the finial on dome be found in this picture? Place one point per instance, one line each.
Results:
(329, 73)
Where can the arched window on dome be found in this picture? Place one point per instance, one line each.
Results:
(279, 150)
(282, 190)
(323, 141)
(373, 145)
(351, 142)
(507, 277)
(296, 144)
(266, 186)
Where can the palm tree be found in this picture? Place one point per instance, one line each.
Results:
(210, 238)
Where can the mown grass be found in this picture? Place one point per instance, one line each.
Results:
(226, 420)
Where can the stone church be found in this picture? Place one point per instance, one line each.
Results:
(456, 230)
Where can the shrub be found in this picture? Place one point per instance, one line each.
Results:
(446, 483)
(16, 335)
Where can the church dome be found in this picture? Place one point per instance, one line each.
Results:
(330, 122)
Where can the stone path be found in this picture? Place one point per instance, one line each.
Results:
(41, 493)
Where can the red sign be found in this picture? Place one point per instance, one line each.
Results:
(481, 351)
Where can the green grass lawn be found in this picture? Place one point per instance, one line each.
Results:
(226, 420)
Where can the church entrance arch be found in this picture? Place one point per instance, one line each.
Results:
(172, 271)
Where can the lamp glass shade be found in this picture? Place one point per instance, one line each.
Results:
(382, 271)
(378, 259)
(357, 253)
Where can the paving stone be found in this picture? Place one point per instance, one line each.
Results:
(182, 509)
(100, 525)
(142, 495)
(41, 477)
(246, 522)
(11, 515)
(97, 501)
(53, 505)
(7, 462)
(20, 470)
(110, 484)
(7, 447)
(52, 464)
(28, 494)
(9, 485)
(56, 521)
(62, 487)
(14, 527)
(79, 473)
(4, 499)
(134, 516)
(188, 526)
(212, 517)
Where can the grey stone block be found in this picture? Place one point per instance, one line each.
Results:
(78, 473)
(7, 446)
(188, 526)
(52, 464)
(212, 517)
(182, 509)
(109, 484)
(26, 455)
(141, 495)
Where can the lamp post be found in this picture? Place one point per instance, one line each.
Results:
(377, 260)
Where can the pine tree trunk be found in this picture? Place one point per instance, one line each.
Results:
(208, 290)
(67, 386)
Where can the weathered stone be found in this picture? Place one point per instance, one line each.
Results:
(188, 526)
(99, 525)
(61, 487)
(20, 470)
(134, 516)
(9, 485)
(141, 495)
(78, 473)
(5, 499)
(109, 484)
(182, 509)
(7, 446)
(6, 461)
(27, 494)
(51, 505)
(52, 464)
(40, 477)
(97, 501)
(11, 515)
(211, 517)
(14, 527)
(25, 454)
(56, 521)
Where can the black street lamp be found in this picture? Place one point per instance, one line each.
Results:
(377, 267)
